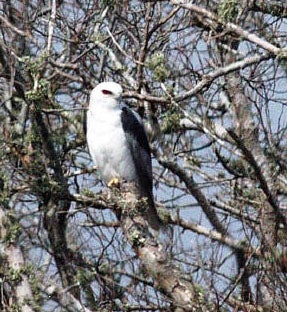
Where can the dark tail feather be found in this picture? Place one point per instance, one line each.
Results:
(151, 216)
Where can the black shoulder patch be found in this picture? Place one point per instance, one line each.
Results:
(134, 128)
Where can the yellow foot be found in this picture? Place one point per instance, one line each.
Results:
(114, 182)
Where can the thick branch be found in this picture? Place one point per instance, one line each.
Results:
(63, 296)
(169, 278)
(16, 263)
(56, 204)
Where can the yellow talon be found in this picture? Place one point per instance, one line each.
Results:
(114, 182)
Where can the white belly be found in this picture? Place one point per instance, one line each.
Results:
(108, 146)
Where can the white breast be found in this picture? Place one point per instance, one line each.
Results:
(108, 145)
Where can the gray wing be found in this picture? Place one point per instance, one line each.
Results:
(141, 155)
(140, 150)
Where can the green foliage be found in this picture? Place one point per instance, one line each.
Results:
(227, 10)
(13, 230)
(39, 93)
(109, 3)
(34, 65)
(170, 122)
(42, 184)
(4, 193)
(163, 214)
(137, 238)
(14, 275)
(84, 277)
(160, 69)
(240, 166)
(200, 292)
(98, 37)
(250, 194)
(192, 162)
(35, 286)
(15, 308)
(87, 192)
(33, 136)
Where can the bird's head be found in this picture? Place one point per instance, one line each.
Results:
(108, 93)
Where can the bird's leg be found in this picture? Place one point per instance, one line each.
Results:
(114, 182)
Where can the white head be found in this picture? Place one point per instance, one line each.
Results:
(106, 94)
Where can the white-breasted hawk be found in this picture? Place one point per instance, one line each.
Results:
(118, 144)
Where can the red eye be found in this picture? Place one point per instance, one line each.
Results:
(107, 92)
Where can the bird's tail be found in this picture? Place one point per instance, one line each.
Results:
(151, 215)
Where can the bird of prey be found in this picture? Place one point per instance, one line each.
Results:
(118, 144)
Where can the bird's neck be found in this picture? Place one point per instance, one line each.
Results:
(105, 107)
